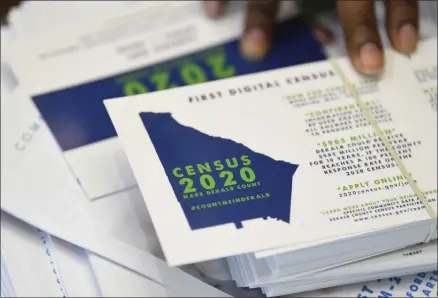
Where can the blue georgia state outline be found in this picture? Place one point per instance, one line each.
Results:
(179, 145)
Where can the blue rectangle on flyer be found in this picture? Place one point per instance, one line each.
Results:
(77, 117)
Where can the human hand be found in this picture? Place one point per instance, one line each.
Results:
(357, 19)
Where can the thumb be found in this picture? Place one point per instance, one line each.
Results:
(364, 46)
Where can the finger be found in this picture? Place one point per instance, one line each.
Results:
(214, 8)
(402, 24)
(364, 46)
(259, 27)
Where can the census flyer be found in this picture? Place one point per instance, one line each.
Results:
(281, 158)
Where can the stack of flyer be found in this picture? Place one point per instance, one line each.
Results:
(291, 173)
(262, 179)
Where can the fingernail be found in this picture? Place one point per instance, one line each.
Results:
(408, 38)
(371, 58)
(213, 8)
(254, 45)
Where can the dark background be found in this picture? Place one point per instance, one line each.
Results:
(5, 6)
(308, 6)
